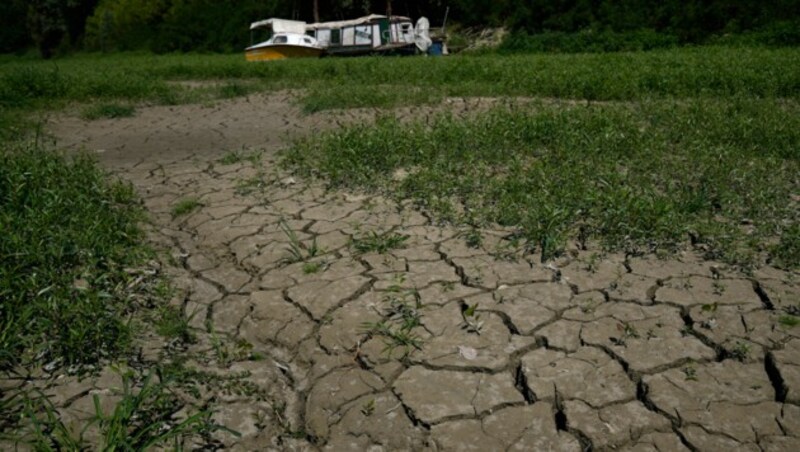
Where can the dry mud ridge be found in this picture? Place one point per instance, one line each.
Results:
(587, 353)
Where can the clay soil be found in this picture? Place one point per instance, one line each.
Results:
(593, 351)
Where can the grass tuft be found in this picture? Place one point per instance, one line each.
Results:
(185, 206)
(108, 111)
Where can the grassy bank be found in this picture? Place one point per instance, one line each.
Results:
(341, 83)
(641, 177)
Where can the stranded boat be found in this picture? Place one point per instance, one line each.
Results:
(287, 39)
(372, 34)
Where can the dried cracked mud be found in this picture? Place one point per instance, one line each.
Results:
(591, 352)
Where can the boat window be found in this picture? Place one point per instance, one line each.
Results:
(280, 39)
(308, 41)
(336, 36)
(406, 29)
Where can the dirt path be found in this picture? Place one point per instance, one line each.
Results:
(589, 352)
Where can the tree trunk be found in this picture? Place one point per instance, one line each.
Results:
(388, 7)
(316, 10)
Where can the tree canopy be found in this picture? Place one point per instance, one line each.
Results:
(221, 25)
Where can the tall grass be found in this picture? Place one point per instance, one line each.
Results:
(68, 234)
(689, 72)
(640, 177)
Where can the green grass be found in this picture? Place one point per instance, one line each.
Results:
(108, 111)
(69, 234)
(365, 82)
(636, 176)
(185, 206)
(381, 243)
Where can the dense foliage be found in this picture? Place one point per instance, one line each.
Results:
(69, 234)
(221, 25)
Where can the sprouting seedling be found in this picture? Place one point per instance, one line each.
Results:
(299, 251)
(627, 331)
(472, 320)
(690, 372)
(368, 408)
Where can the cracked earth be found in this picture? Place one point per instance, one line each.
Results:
(593, 351)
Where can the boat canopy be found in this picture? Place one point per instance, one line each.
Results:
(354, 22)
(281, 25)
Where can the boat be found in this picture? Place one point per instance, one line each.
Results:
(285, 39)
(372, 34)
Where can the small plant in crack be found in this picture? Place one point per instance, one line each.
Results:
(472, 320)
(718, 287)
(185, 206)
(627, 331)
(381, 243)
(313, 267)
(299, 251)
(593, 263)
(740, 351)
(690, 372)
(789, 321)
(400, 318)
(473, 238)
(368, 408)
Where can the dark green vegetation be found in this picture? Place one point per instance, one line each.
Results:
(108, 111)
(70, 245)
(637, 176)
(59, 26)
(340, 83)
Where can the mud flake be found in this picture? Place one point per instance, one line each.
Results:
(376, 420)
(493, 345)
(703, 440)
(588, 276)
(486, 271)
(696, 290)
(589, 375)
(648, 338)
(345, 327)
(330, 394)
(632, 287)
(563, 335)
(434, 396)
(275, 320)
(655, 442)
(228, 276)
(319, 297)
(614, 425)
(228, 313)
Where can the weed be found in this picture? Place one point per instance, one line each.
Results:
(400, 318)
(381, 243)
(789, 321)
(473, 238)
(690, 372)
(233, 157)
(368, 408)
(171, 323)
(313, 267)
(140, 420)
(185, 206)
(109, 111)
(471, 319)
(627, 331)
(740, 351)
(299, 251)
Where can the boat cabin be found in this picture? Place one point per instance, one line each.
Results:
(264, 30)
(363, 35)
